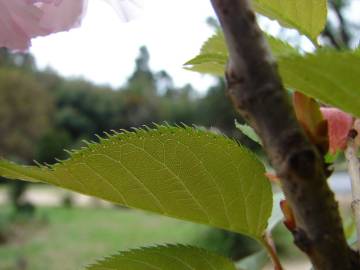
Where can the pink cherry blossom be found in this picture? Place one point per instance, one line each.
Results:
(22, 20)
(126, 9)
(339, 125)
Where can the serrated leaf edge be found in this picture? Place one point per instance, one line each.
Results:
(154, 248)
(74, 155)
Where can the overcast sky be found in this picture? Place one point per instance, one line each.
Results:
(104, 48)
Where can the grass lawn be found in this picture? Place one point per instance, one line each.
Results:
(62, 239)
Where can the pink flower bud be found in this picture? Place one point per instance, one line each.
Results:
(339, 125)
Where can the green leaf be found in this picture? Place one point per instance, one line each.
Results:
(331, 158)
(350, 231)
(214, 55)
(248, 131)
(307, 16)
(208, 64)
(330, 76)
(212, 58)
(256, 261)
(215, 44)
(178, 172)
(280, 48)
(165, 258)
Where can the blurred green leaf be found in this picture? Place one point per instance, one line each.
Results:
(212, 58)
(215, 44)
(169, 257)
(331, 158)
(207, 63)
(214, 55)
(178, 172)
(307, 16)
(350, 231)
(329, 76)
(280, 48)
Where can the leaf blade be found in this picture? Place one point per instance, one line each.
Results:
(214, 55)
(171, 171)
(329, 76)
(168, 257)
(307, 16)
(248, 131)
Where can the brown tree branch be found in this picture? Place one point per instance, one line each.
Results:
(344, 34)
(258, 94)
(330, 35)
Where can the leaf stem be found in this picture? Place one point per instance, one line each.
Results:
(270, 247)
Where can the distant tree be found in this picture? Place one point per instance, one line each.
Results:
(51, 146)
(84, 109)
(25, 108)
(179, 105)
(215, 109)
(140, 95)
(341, 31)
(24, 61)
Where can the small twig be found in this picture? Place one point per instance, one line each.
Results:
(270, 247)
(257, 92)
(330, 35)
(354, 172)
(345, 37)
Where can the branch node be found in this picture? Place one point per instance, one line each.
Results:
(302, 240)
(257, 92)
(303, 163)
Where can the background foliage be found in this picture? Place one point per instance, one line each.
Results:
(68, 110)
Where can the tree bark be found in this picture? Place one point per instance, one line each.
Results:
(257, 93)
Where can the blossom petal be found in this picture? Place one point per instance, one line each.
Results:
(127, 9)
(22, 20)
(339, 125)
(62, 15)
(19, 22)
